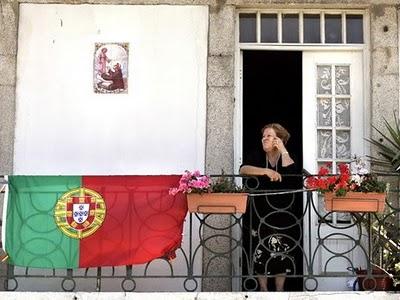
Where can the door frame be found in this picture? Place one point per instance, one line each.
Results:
(238, 107)
(238, 75)
(238, 79)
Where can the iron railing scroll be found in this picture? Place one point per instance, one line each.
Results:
(311, 242)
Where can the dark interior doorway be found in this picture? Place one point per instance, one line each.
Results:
(272, 93)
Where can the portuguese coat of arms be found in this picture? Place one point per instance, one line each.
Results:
(80, 212)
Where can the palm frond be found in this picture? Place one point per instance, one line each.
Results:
(388, 145)
(385, 137)
(382, 147)
(395, 135)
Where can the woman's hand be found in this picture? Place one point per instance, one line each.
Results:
(279, 145)
(273, 175)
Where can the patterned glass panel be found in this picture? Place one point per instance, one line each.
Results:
(342, 109)
(324, 80)
(342, 80)
(324, 112)
(324, 144)
(343, 150)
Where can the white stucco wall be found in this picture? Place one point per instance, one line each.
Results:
(63, 127)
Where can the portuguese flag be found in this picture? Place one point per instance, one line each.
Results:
(91, 221)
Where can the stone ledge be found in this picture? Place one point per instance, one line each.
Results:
(201, 296)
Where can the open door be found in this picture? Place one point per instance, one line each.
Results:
(272, 93)
(333, 122)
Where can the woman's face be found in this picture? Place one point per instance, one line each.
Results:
(268, 137)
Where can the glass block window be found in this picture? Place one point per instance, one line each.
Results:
(333, 102)
(301, 27)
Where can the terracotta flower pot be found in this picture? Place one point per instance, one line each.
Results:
(382, 281)
(355, 202)
(217, 203)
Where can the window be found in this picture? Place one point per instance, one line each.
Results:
(282, 27)
(290, 28)
(312, 28)
(354, 26)
(247, 28)
(269, 28)
(333, 114)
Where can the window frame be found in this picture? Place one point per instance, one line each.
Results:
(301, 12)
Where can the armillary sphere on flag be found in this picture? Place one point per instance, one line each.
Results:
(80, 212)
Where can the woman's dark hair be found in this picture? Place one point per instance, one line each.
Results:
(280, 131)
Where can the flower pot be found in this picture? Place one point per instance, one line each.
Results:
(217, 203)
(355, 202)
(383, 281)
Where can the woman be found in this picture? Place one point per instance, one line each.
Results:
(269, 163)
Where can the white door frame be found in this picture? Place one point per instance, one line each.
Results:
(239, 48)
(238, 109)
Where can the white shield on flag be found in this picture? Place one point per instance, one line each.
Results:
(80, 212)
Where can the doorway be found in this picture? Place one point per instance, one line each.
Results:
(272, 93)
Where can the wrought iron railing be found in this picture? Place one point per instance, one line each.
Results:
(295, 232)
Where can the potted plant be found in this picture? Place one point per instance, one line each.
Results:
(377, 280)
(344, 192)
(205, 195)
(386, 231)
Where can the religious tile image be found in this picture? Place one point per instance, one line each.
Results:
(110, 74)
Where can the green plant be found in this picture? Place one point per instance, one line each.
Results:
(385, 232)
(224, 184)
(388, 145)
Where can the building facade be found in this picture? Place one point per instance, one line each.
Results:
(225, 41)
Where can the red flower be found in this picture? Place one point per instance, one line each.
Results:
(344, 181)
(331, 183)
(323, 171)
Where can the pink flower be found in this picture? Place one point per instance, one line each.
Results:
(192, 182)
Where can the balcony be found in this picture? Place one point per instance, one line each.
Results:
(321, 250)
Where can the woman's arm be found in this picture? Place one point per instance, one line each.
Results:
(257, 171)
(286, 159)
